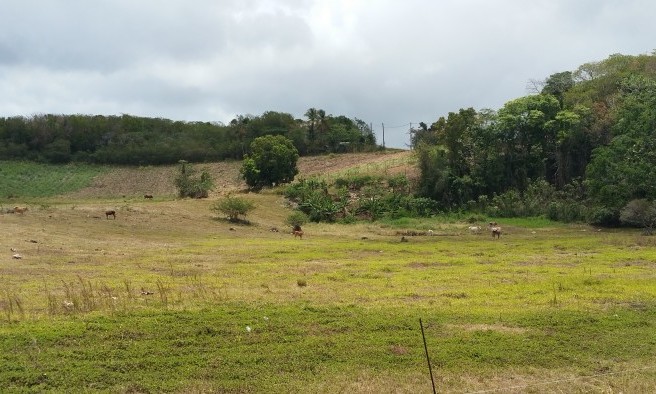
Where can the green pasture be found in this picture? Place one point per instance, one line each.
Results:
(170, 298)
(28, 179)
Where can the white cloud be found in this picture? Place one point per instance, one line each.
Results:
(378, 60)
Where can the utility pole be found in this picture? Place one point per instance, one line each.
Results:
(383, 135)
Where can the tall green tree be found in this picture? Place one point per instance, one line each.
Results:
(312, 116)
(558, 84)
(272, 161)
(625, 169)
(529, 146)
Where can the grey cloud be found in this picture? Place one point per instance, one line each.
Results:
(383, 61)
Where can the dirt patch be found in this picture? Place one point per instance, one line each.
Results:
(390, 162)
(157, 181)
(488, 327)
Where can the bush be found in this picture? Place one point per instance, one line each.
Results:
(297, 218)
(233, 207)
(302, 189)
(189, 184)
(357, 182)
(566, 211)
(603, 216)
(422, 206)
(640, 213)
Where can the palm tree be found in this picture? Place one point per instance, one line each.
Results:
(323, 127)
(312, 114)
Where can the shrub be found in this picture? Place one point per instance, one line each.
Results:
(399, 183)
(233, 207)
(357, 182)
(302, 189)
(297, 218)
(602, 216)
(640, 213)
(191, 184)
(423, 206)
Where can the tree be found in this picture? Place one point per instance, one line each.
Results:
(625, 169)
(640, 213)
(312, 116)
(529, 146)
(191, 184)
(233, 207)
(272, 161)
(557, 84)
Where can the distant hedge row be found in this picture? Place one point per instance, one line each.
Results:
(135, 140)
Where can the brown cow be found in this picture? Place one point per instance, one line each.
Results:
(20, 210)
(148, 196)
(495, 229)
(297, 231)
(111, 213)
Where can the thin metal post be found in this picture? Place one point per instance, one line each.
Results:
(430, 369)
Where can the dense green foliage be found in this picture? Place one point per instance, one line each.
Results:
(296, 219)
(135, 140)
(359, 197)
(272, 161)
(192, 184)
(587, 138)
(28, 179)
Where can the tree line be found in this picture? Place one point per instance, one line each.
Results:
(133, 140)
(580, 147)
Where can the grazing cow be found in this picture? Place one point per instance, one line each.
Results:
(475, 229)
(111, 213)
(495, 229)
(20, 210)
(148, 196)
(297, 231)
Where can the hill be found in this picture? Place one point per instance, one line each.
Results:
(167, 297)
(158, 180)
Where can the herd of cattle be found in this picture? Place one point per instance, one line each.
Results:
(493, 227)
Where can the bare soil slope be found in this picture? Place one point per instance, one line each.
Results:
(158, 180)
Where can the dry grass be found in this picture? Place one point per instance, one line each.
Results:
(176, 255)
(135, 182)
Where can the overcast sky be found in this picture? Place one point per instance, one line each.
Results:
(383, 61)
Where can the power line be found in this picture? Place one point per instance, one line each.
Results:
(399, 126)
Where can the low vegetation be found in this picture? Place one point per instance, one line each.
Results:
(167, 299)
(234, 208)
(22, 179)
(191, 183)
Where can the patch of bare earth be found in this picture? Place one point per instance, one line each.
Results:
(327, 164)
(159, 180)
(488, 327)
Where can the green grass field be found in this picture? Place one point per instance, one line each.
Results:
(27, 179)
(169, 298)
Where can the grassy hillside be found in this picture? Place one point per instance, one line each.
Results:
(171, 298)
(21, 180)
(27, 179)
